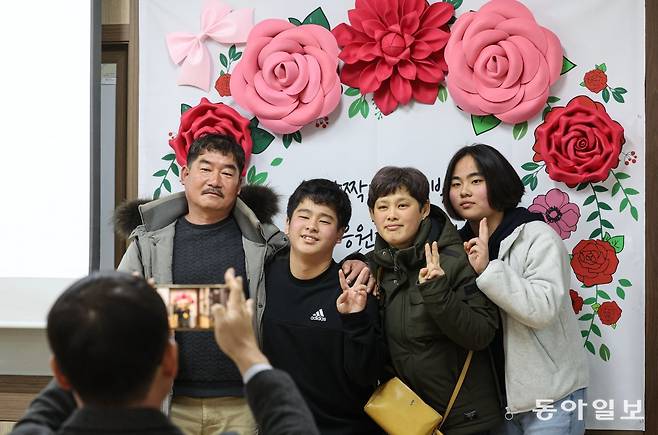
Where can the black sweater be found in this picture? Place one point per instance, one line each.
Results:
(334, 359)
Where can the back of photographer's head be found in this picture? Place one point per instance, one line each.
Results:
(109, 334)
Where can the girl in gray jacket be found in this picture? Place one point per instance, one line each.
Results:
(523, 267)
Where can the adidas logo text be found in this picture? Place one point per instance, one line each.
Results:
(319, 316)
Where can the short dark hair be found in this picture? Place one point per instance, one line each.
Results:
(504, 187)
(325, 192)
(225, 145)
(391, 178)
(108, 333)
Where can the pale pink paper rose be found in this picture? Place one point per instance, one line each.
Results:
(288, 75)
(501, 62)
(557, 211)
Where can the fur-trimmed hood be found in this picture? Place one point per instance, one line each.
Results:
(262, 200)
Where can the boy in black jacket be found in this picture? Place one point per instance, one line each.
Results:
(317, 327)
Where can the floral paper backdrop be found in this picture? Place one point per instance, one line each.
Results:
(593, 200)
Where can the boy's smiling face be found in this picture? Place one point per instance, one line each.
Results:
(313, 229)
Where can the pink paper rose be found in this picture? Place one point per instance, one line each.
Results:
(211, 118)
(501, 62)
(557, 211)
(288, 75)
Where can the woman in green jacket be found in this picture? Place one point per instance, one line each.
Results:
(433, 311)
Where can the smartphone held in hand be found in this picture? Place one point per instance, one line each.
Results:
(189, 306)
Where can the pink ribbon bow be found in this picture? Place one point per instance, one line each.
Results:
(218, 23)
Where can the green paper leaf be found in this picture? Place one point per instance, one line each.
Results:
(527, 179)
(221, 72)
(174, 169)
(623, 204)
(617, 242)
(567, 65)
(596, 307)
(482, 124)
(606, 224)
(365, 109)
(276, 162)
(606, 95)
(223, 60)
(602, 67)
(238, 55)
(520, 130)
(169, 157)
(250, 174)
(454, 3)
(259, 178)
(352, 92)
(589, 301)
(615, 188)
(593, 216)
(443, 94)
(317, 17)
(287, 140)
(622, 175)
(603, 294)
(590, 347)
(295, 21)
(582, 186)
(184, 108)
(620, 90)
(552, 100)
(166, 184)
(355, 107)
(231, 51)
(584, 333)
(160, 173)
(253, 122)
(582, 84)
(595, 233)
(634, 213)
(607, 237)
(156, 194)
(618, 97)
(604, 206)
(533, 183)
(625, 283)
(621, 293)
(631, 191)
(604, 352)
(297, 136)
(600, 189)
(545, 112)
(586, 317)
(261, 139)
(530, 166)
(596, 330)
(590, 199)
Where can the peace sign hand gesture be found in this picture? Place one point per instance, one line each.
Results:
(433, 268)
(354, 298)
(477, 248)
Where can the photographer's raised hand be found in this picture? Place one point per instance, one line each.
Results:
(234, 330)
(433, 269)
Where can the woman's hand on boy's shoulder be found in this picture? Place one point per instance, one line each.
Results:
(433, 269)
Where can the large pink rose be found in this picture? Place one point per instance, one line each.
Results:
(501, 62)
(211, 118)
(288, 75)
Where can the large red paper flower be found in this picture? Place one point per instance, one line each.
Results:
(579, 143)
(502, 62)
(394, 48)
(287, 76)
(210, 118)
(594, 262)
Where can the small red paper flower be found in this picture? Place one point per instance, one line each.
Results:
(594, 262)
(609, 313)
(211, 118)
(223, 85)
(576, 301)
(596, 80)
(579, 143)
(394, 48)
